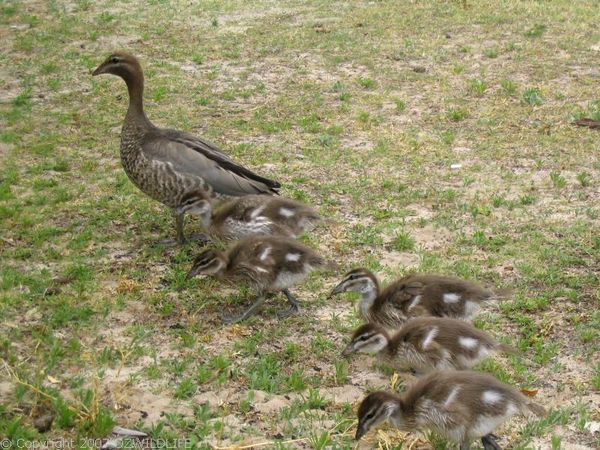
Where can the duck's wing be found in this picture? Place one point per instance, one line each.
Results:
(189, 155)
(403, 295)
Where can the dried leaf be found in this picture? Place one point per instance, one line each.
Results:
(529, 392)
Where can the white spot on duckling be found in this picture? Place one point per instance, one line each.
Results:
(293, 257)
(254, 214)
(452, 396)
(414, 303)
(262, 269)
(468, 342)
(265, 253)
(451, 298)
(491, 397)
(430, 337)
(286, 212)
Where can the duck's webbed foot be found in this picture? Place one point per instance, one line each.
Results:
(489, 442)
(248, 313)
(169, 242)
(294, 306)
(180, 239)
(201, 238)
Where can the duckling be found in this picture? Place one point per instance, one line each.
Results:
(414, 295)
(250, 215)
(268, 264)
(460, 405)
(428, 343)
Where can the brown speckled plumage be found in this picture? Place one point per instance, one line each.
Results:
(157, 179)
(265, 263)
(251, 215)
(415, 295)
(459, 405)
(428, 343)
(167, 164)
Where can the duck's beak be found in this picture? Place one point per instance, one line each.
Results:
(192, 273)
(360, 431)
(100, 69)
(348, 350)
(337, 290)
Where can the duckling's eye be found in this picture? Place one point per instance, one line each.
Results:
(369, 416)
(114, 60)
(363, 338)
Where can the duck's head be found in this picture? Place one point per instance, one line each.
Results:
(375, 409)
(369, 338)
(209, 262)
(121, 64)
(357, 280)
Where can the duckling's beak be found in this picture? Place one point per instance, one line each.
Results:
(337, 290)
(348, 350)
(360, 431)
(192, 273)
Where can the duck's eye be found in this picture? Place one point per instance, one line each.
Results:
(363, 338)
(114, 60)
(369, 416)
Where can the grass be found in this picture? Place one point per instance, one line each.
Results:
(100, 326)
(532, 96)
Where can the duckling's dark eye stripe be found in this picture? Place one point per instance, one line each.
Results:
(370, 415)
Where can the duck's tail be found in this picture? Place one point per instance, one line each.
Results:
(505, 348)
(498, 294)
(535, 409)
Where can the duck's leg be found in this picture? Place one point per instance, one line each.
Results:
(181, 239)
(489, 442)
(179, 228)
(249, 312)
(294, 305)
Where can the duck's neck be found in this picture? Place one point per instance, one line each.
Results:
(401, 416)
(368, 296)
(206, 219)
(135, 112)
